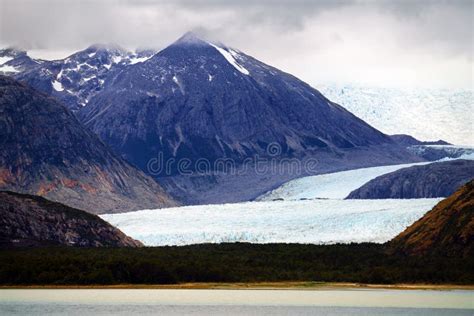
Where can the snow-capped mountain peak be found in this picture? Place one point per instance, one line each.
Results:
(13, 60)
(10, 53)
(206, 100)
(110, 48)
(190, 38)
(190, 46)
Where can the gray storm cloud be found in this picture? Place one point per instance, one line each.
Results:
(392, 43)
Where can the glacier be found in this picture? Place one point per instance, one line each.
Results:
(338, 185)
(308, 221)
(335, 185)
(426, 114)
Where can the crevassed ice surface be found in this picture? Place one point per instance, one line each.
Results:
(338, 185)
(335, 185)
(312, 221)
(427, 114)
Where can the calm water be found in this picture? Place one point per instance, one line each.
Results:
(236, 302)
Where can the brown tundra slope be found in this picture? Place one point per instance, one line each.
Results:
(447, 230)
(46, 151)
(27, 220)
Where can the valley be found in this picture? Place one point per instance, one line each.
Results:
(236, 157)
(108, 131)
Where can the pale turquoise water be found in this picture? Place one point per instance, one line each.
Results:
(236, 302)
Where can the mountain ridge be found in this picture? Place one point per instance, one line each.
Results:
(46, 151)
(438, 179)
(196, 100)
(446, 230)
(198, 80)
(29, 220)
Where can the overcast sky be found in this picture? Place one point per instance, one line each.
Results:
(404, 43)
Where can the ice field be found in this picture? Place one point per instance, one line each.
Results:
(309, 221)
(335, 185)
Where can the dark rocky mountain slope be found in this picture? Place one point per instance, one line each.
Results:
(439, 179)
(28, 220)
(46, 151)
(448, 229)
(199, 101)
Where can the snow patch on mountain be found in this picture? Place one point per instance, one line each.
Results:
(8, 69)
(136, 60)
(315, 222)
(229, 56)
(426, 114)
(5, 59)
(179, 84)
(116, 59)
(57, 86)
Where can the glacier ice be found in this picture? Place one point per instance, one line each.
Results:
(338, 185)
(335, 185)
(308, 221)
(426, 114)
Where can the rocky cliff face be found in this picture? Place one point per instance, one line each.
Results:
(28, 220)
(448, 229)
(438, 179)
(46, 151)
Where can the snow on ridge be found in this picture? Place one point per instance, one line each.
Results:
(5, 59)
(116, 59)
(7, 68)
(315, 222)
(136, 60)
(229, 56)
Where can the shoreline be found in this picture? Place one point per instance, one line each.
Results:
(305, 286)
